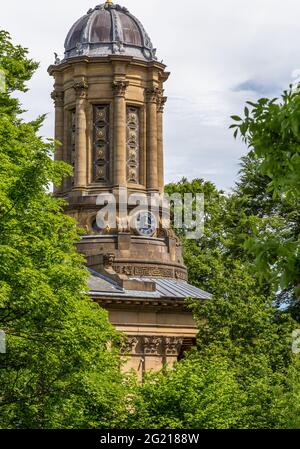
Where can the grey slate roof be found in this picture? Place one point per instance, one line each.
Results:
(166, 288)
(109, 29)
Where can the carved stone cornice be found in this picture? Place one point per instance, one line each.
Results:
(152, 94)
(126, 302)
(81, 88)
(119, 88)
(173, 345)
(58, 98)
(152, 345)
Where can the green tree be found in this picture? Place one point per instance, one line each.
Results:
(266, 217)
(59, 369)
(197, 394)
(271, 129)
(240, 331)
(17, 69)
(242, 325)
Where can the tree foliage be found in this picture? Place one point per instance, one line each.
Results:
(241, 333)
(271, 129)
(197, 394)
(59, 370)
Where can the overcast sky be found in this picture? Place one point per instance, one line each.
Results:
(221, 53)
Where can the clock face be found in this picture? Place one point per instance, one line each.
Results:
(145, 223)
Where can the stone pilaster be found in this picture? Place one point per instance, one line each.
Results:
(58, 98)
(151, 123)
(80, 175)
(119, 90)
(160, 144)
(152, 348)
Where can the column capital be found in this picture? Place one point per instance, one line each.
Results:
(81, 88)
(161, 103)
(173, 345)
(58, 98)
(119, 88)
(129, 345)
(152, 94)
(152, 345)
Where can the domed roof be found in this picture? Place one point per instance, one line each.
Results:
(109, 29)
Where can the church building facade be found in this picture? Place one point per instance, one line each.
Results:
(109, 105)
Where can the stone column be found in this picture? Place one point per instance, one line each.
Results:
(152, 156)
(80, 175)
(119, 89)
(160, 142)
(58, 98)
(67, 183)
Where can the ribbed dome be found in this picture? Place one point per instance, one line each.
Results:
(109, 29)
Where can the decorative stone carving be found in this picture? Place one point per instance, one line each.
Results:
(161, 104)
(133, 144)
(79, 49)
(122, 224)
(119, 88)
(153, 272)
(152, 345)
(173, 346)
(180, 275)
(127, 270)
(101, 144)
(81, 88)
(57, 60)
(129, 346)
(131, 270)
(152, 94)
(109, 260)
(58, 98)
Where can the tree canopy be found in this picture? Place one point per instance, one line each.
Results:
(59, 369)
(242, 335)
(271, 129)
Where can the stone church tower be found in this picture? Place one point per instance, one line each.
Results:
(109, 104)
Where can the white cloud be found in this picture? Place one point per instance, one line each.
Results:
(220, 54)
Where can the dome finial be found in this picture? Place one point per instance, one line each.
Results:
(109, 2)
